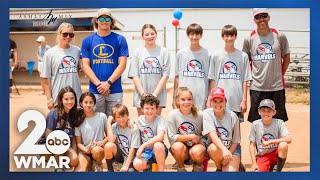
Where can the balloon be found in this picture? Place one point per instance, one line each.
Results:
(175, 22)
(177, 13)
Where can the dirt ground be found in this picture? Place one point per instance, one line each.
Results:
(299, 127)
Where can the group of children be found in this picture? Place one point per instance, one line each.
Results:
(209, 102)
(193, 135)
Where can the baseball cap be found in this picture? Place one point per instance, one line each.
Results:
(267, 103)
(257, 11)
(41, 39)
(217, 93)
(104, 11)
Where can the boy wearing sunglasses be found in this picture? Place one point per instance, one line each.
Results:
(104, 56)
(269, 56)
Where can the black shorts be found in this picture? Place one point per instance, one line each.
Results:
(279, 98)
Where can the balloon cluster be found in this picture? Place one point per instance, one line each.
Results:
(177, 14)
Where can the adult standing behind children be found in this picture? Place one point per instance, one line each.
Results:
(269, 54)
(104, 57)
(192, 67)
(150, 69)
(13, 61)
(61, 65)
(230, 70)
(41, 49)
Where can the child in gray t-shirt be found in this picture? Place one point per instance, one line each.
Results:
(230, 70)
(123, 140)
(184, 131)
(152, 130)
(269, 139)
(150, 69)
(192, 67)
(90, 132)
(223, 128)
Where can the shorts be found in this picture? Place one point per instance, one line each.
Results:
(40, 66)
(279, 98)
(151, 156)
(237, 151)
(265, 161)
(105, 103)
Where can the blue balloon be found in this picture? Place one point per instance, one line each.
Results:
(177, 13)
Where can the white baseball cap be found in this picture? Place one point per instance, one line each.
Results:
(41, 39)
(257, 11)
(104, 11)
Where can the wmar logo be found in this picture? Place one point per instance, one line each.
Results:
(27, 154)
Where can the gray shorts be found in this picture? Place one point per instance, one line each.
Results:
(105, 103)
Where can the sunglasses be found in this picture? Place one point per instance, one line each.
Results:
(107, 19)
(259, 16)
(71, 35)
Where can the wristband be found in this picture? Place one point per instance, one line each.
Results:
(109, 82)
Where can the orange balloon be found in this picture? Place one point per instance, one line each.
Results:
(175, 22)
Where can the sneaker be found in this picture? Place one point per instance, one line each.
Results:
(197, 168)
(181, 170)
(97, 167)
(41, 93)
(117, 166)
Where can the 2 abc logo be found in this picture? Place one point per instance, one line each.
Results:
(57, 143)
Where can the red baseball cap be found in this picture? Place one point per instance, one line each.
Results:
(217, 93)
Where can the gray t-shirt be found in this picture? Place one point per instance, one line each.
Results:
(227, 129)
(179, 123)
(61, 67)
(192, 70)
(150, 65)
(127, 138)
(149, 129)
(260, 132)
(229, 71)
(92, 129)
(265, 53)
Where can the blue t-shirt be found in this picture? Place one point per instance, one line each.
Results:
(103, 53)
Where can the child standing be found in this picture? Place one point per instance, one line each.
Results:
(222, 126)
(91, 130)
(230, 71)
(62, 117)
(150, 69)
(192, 67)
(123, 141)
(184, 131)
(269, 139)
(152, 129)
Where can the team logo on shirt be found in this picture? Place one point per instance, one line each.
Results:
(146, 134)
(68, 65)
(103, 52)
(264, 53)
(223, 134)
(123, 143)
(151, 65)
(268, 137)
(186, 128)
(194, 69)
(229, 71)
